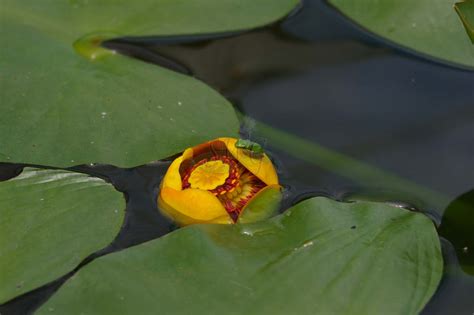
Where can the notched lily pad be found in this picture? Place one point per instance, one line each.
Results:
(320, 257)
(61, 109)
(50, 220)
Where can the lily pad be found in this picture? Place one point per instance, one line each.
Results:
(64, 106)
(320, 257)
(50, 221)
(428, 27)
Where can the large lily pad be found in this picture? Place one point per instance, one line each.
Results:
(50, 220)
(320, 257)
(60, 108)
(431, 28)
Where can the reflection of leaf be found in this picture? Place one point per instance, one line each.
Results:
(465, 11)
(59, 108)
(320, 257)
(426, 26)
(50, 221)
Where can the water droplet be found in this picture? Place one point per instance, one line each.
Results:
(51, 309)
(42, 199)
(92, 142)
(171, 119)
(179, 103)
(304, 245)
(116, 211)
(72, 161)
(103, 114)
(413, 24)
(465, 250)
(159, 107)
(122, 298)
(193, 131)
(247, 233)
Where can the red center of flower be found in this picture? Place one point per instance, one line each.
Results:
(226, 178)
(213, 174)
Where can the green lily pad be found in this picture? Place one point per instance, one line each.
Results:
(320, 257)
(465, 11)
(428, 27)
(50, 220)
(66, 104)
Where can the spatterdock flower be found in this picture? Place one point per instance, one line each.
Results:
(221, 181)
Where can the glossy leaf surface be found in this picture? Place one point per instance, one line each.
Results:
(51, 220)
(320, 257)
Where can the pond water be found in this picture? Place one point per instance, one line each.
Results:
(342, 115)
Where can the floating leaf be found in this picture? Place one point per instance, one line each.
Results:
(50, 221)
(320, 257)
(67, 101)
(428, 27)
(457, 226)
(465, 11)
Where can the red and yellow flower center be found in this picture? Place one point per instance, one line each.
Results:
(209, 175)
(226, 178)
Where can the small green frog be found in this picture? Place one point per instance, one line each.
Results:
(253, 149)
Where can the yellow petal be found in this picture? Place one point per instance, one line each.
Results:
(172, 177)
(192, 206)
(261, 167)
(188, 153)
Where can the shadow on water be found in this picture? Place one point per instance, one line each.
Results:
(308, 76)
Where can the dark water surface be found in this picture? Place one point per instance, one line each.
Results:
(405, 123)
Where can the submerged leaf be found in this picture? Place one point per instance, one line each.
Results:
(320, 257)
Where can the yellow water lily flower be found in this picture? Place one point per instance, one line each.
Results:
(218, 182)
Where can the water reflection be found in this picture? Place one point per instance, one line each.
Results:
(416, 122)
